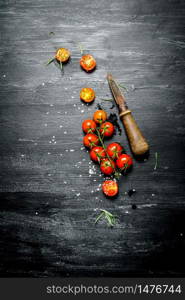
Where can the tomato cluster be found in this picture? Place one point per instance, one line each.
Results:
(112, 159)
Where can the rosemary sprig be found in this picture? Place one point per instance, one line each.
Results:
(111, 219)
(50, 61)
(123, 87)
(111, 100)
(156, 161)
(80, 46)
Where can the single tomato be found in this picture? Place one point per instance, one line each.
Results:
(124, 162)
(97, 153)
(114, 150)
(90, 140)
(88, 126)
(62, 55)
(107, 166)
(87, 62)
(100, 116)
(107, 129)
(87, 95)
(110, 188)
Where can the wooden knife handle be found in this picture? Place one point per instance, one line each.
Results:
(139, 145)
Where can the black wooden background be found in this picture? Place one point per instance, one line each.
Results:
(49, 190)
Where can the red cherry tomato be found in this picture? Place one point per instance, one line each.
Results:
(87, 95)
(97, 153)
(114, 150)
(88, 126)
(107, 129)
(87, 62)
(110, 188)
(100, 116)
(107, 166)
(90, 140)
(124, 161)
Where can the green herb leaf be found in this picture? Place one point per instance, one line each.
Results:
(156, 161)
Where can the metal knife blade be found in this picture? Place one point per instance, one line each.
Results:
(118, 96)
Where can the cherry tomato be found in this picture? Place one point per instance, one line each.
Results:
(107, 166)
(87, 95)
(62, 54)
(107, 129)
(90, 140)
(87, 62)
(100, 116)
(88, 126)
(97, 153)
(124, 161)
(114, 150)
(110, 188)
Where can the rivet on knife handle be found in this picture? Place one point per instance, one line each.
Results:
(138, 143)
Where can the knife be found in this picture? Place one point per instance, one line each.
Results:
(138, 143)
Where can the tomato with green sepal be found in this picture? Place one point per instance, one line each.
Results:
(124, 162)
(114, 150)
(97, 153)
(107, 129)
(90, 140)
(89, 126)
(107, 166)
(110, 188)
(100, 116)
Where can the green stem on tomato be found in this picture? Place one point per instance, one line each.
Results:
(116, 174)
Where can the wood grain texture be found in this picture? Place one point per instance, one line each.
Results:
(49, 192)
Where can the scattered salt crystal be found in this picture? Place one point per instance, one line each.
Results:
(82, 148)
(78, 194)
(65, 88)
(61, 154)
(82, 111)
(92, 192)
(84, 159)
(74, 105)
(72, 97)
(65, 132)
(61, 126)
(65, 182)
(35, 143)
(47, 113)
(51, 104)
(46, 125)
(22, 155)
(36, 213)
(43, 83)
(91, 171)
(71, 150)
(65, 112)
(97, 189)
(4, 75)
(94, 179)
(80, 175)
(126, 211)
(67, 150)
(49, 153)
(153, 195)
(49, 174)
